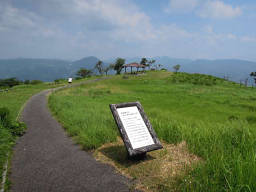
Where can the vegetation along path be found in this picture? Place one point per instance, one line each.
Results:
(46, 159)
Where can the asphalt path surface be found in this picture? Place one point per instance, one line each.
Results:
(46, 159)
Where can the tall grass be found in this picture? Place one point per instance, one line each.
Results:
(217, 121)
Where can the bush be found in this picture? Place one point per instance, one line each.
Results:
(59, 80)
(27, 82)
(15, 128)
(78, 78)
(10, 82)
(18, 128)
(35, 82)
(5, 117)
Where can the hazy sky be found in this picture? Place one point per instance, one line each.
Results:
(71, 29)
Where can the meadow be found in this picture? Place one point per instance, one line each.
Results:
(213, 117)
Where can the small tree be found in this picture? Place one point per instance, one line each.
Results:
(106, 70)
(99, 67)
(176, 68)
(83, 73)
(119, 65)
(253, 75)
(143, 61)
(150, 63)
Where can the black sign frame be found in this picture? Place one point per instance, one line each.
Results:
(126, 140)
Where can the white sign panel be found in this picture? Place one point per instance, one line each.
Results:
(135, 127)
(70, 80)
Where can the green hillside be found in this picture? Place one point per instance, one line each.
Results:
(215, 118)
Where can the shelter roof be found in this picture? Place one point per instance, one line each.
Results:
(134, 65)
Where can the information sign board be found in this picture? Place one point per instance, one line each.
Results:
(135, 128)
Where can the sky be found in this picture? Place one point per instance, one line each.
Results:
(73, 29)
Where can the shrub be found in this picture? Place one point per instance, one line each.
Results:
(15, 128)
(18, 128)
(59, 80)
(5, 117)
(27, 82)
(78, 78)
(10, 82)
(35, 82)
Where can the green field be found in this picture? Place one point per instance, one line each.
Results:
(215, 118)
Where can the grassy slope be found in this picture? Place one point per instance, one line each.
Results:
(217, 122)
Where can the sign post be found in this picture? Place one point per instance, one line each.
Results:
(136, 131)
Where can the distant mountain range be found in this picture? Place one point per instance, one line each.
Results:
(51, 69)
(43, 69)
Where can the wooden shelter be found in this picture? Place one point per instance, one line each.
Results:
(136, 65)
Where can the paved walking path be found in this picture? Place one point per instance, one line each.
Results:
(45, 159)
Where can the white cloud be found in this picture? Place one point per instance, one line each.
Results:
(113, 11)
(129, 23)
(247, 39)
(231, 36)
(14, 21)
(78, 28)
(11, 17)
(218, 10)
(181, 6)
(208, 29)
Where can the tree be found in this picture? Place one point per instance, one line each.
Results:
(111, 66)
(119, 65)
(176, 68)
(144, 61)
(150, 63)
(10, 82)
(99, 67)
(83, 73)
(253, 75)
(106, 70)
